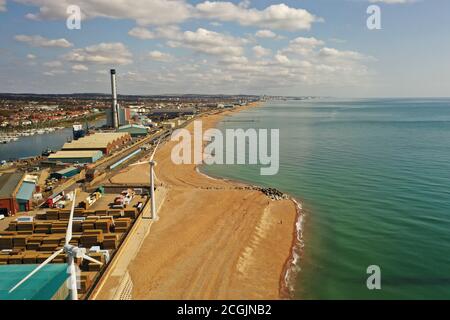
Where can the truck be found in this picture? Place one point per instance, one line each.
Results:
(54, 198)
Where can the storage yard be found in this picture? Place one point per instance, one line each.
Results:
(102, 219)
(99, 226)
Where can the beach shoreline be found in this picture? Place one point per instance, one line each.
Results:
(233, 241)
(290, 270)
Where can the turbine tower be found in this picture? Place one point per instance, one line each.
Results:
(72, 253)
(152, 163)
(114, 106)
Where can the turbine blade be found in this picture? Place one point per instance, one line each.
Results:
(85, 256)
(154, 175)
(138, 164)
(70, 224)
(43, 264)
(154, 151)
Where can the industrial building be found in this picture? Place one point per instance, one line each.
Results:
(164, 114)
(67, 156)
(105, 142)
(123, 114)
(16, 193)
(65, 173)
(134, 130)
(25, 195)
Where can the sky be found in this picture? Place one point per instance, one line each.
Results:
(285, 47)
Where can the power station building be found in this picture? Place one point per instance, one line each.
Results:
(116, 116)
(124, 116)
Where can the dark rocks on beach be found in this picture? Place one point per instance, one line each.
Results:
(272, 193)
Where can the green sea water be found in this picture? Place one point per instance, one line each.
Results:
(374, 180)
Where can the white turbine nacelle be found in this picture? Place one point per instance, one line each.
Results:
(75, 252)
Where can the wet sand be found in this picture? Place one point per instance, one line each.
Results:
(213, 240)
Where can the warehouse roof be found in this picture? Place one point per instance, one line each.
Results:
(26, 190)
(97, 140)
(9, 183)
(133, 128)
(136, 126)
(66, 170)
(67, 154)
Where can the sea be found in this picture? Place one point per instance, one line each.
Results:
(373, 177)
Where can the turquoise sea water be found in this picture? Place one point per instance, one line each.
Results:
(374, 180)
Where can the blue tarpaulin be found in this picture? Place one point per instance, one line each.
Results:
(41, 286)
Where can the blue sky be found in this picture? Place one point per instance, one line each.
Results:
(290, 47)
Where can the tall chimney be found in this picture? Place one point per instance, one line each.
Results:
(114, 111)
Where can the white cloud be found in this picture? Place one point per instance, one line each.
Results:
(167, 12)
(159, 56)
(234, 60)
(104, 53)
(278, 16)
(55, 72)
(266, 34)
(260, 52)
(144, 12)
(332, 53)
(280, 58)
(234, 63)
(168, 32)
(79, 67)
(318, 66)
(393, 1)
(141, 33)
(39, 41)
(53, 64)
(302, 45)
(209, 42)
(31, 56)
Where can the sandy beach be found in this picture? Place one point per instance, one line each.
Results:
(213, 240)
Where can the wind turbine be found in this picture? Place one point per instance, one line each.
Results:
(152, 181)
(72, 253)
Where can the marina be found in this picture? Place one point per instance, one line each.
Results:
(16, 135)
(35, 142)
